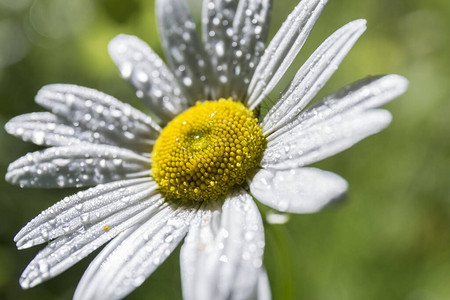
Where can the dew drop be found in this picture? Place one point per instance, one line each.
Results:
(258, 29)
(129, 135)
(19, 131)
(142, 76)
(249, 235)
(117, 161)
(43, 266)
(168, 239)
(176, 54)
(186, 36)
(38, 137)
(87, 117)
(126, 69)
(66, 227)
(187, 81)
(157, 93)
(237, 70)
(85, 218)
(220, 48)
(216, 21)
(223, 79)
(44, 233)
(61, 162)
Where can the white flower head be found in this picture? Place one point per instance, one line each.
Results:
(194, 170)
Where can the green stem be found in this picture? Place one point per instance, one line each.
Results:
(279, 240)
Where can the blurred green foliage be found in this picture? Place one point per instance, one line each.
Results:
(390, 240)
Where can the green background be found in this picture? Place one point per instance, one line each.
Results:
(389, 240)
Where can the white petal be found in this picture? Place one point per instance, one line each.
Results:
(85, 283)
(184, 50)
(362, 95)
(67, 250)
(118, 123)
(302, 190)
(283, 49)
(217, 31)
(222, 255)
(80, 165)
(313, 75)
(322, 140)
(262, 289)
(82, 209)
(250, 28)
(44, 128)
(146, 71)
(123, 266)
(234, 33)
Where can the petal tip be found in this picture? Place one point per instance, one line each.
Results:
(45, 92)
(359, 25)
(22, 244)
(115, 42)
(400, 82)
(18, 236)
(26, 282)
(10, 126)
(361, 22)
(9, 176)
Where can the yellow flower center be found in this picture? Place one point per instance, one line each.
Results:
(205, 151)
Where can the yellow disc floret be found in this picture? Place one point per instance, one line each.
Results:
(207, 150)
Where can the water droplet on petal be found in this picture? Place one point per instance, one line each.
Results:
(43, 266)
(38, 137)
(187, 81)
(44, 233)
(142, 76)
(220, 48)
(85, 218)
(140, 94)
(126, 69)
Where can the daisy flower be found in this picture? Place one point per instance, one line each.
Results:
(195, 167)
